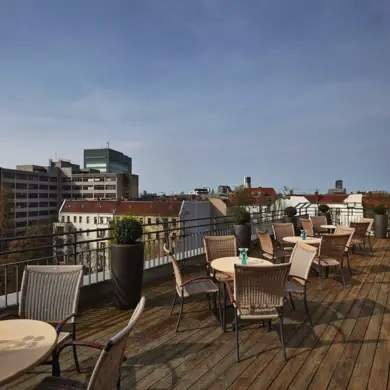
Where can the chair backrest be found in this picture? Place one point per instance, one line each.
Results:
(176, 268)
(107, 370)
(259, 286)
(265, 242)
(345, 230)
(219, 246)
(360, 229)
(308, 226)
(282, 230)
(333, 246)
(370, 220)
(318, 220)
(50, 292)
(301, 260)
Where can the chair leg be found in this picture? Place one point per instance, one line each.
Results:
(282, 336)
(342, 275)
(173, 303)
(291, 300)
(306, 307)
(215, 303)
(76, 360)
(55, 367)
(236, 334)
(224, 309)
(369, 242)
(219, 307)
(320, 275)
(118, 383)
(365, 249)
(208, 298)
(181, 312)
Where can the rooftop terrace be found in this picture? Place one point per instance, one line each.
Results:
(348, 348)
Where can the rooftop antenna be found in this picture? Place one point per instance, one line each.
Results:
(108, 144)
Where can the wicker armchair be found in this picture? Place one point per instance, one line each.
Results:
(317, 222)
(268, 250)
(107, 372)
(51, 294)
(190, 287)
(216, 247)
(258, 295)
(340, 230)
(307, 225)
(360, 235)
(369, 229)
(331, 253)
(282, 230)
(301, 261)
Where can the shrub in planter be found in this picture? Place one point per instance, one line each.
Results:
(242, 227)
(381, 221)
(290, 217)
(127, 261)
(324, 209)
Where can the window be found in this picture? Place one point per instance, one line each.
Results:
(74, 219)
(80, 219)
(87, 219)
(173, 222)
(149, 221)
(141, 220)
(87, 233)
(53, 179)
(43, 187)
(101, 220)
(95, 220)
(62, 219)
(34, 213)
(43, 212)
(68, 219)
(102, 245)
(157, 220)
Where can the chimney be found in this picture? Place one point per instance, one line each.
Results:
(317, 198)
(291, 192)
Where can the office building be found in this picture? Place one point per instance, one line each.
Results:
(107, 161)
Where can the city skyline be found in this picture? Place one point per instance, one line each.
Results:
(292, 94)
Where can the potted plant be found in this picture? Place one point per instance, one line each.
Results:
(242, 227)
(381, 221)
(290, 213)
(324, 209)
(127, 261)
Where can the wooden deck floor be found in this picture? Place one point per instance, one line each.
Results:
(349, 347)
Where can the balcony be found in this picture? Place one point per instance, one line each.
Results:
(347, 348)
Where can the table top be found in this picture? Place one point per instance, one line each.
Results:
(328, 226)
(226, 264)
(23, 345)
(295, 239)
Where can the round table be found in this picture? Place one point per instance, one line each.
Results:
(23, 345)
(226, 264)
(329, 227)
(296, 239)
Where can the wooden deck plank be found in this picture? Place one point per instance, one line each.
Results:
(322, 354)
(351, 348)
(314, 346)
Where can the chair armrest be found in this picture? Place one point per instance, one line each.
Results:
(298, 277)
(196, 279)
(229, 290)
(62, 323)
(9, 316)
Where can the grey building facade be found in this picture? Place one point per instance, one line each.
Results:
(107, 161)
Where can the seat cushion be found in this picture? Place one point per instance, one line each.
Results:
(56, 383)
(254, 313)
(293, 289)
(357, 241)
(327, 262)
(221, 276)
(202, 286)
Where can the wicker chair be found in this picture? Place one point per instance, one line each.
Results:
(107, 372)
(216, 247)
(331, 253)
(268, 250)
(301, 261)
(307, 225)
(359, 238)
(282, 230)
(318, 221)
(369, 229)
(258, 295)
(340, 230)
(51, 294)
(190, 287)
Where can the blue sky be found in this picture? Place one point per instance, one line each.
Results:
(203, 92)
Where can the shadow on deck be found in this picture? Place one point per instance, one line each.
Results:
(347, 348)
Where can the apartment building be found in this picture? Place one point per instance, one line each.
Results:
(33, 193)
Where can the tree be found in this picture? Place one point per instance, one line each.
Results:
(6, 205)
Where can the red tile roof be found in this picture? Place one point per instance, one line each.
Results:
(89, 206)
(326, 198)
(141, 208)
(260, 191)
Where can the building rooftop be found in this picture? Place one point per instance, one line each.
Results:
(347, 348)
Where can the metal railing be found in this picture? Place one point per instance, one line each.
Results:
(77, 246)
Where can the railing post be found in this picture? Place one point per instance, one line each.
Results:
(74, 244)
